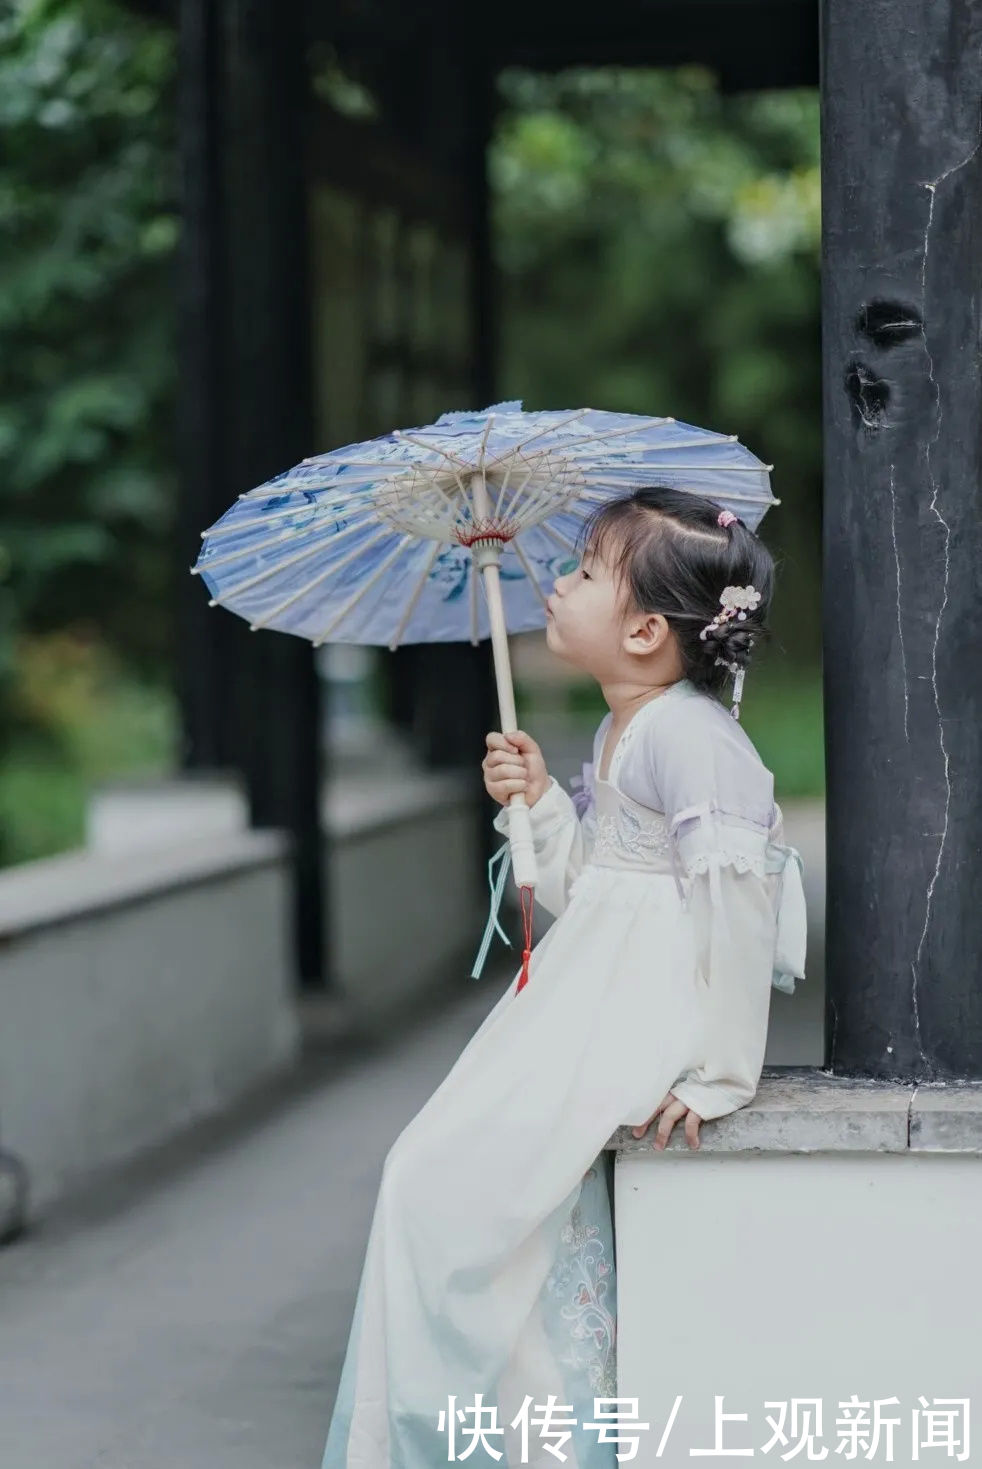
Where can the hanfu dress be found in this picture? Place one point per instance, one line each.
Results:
(489, 1277)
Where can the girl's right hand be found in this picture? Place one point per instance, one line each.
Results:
(514, 763)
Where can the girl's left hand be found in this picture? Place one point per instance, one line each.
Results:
(672, 1109)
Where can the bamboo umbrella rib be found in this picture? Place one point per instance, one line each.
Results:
(574, 452)
(595, 491)
(552, 429)
(555, 497)
(474, 578)
(310, 551)
(521, 488)
(294, 597)
(652, 467)
(557, 536)
(612, 433)
(276, 540)
(484, 441)
(575, 455)
(330, 495)
(524, 494)
(529, 570)
(342, 463)
(308, 587)
(618, 433)
(502, 489)
(678, 469)
(317, 528)
(432, 470)
(469, 503)
(413, 599)
(482, 466)
(561, 496)
(381, 471)
(426, 472)
(579, 473)
(453, 459)
(362, 591)
(597, 497)
(547, 494)
(274, 516)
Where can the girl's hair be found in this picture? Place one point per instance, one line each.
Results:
(673, 557)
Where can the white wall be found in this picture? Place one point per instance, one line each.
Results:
(817, 1253)
(148, 980)
(127, 1013)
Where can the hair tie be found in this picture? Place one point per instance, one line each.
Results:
(725, 517)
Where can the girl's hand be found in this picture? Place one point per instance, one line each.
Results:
(673, 1110)
(514, 763)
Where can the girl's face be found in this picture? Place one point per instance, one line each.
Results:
(585, 625)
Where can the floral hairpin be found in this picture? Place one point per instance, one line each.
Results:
(735, 601)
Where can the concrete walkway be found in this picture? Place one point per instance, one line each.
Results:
(194, 1313)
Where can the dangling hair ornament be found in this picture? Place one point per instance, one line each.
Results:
(734, 600)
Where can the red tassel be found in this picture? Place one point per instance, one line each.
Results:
(527, 927)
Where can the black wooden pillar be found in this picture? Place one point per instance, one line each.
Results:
(902, 391)
(251, 698)
(454, 682)
(444, 693)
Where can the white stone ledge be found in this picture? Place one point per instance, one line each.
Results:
(92, 879)
(80, 883)
(808, 1110)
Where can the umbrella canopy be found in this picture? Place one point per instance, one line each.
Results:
(374, 542)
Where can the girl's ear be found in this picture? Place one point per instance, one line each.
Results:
(645, 634)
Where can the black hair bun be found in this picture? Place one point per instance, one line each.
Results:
(731, 640)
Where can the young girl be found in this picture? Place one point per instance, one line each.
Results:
(486, 1314)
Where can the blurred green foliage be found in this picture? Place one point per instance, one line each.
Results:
(92, 719)
(88, 227)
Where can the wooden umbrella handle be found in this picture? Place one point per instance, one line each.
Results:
(519, 821)
(487, 555)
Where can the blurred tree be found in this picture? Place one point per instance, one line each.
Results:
(88, 228)
(86, 205)
(658, 244)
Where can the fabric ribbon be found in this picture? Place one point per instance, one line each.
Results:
(502, 855)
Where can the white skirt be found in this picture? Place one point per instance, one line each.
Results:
(489, 1274)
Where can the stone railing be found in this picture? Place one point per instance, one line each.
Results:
(147, 981)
